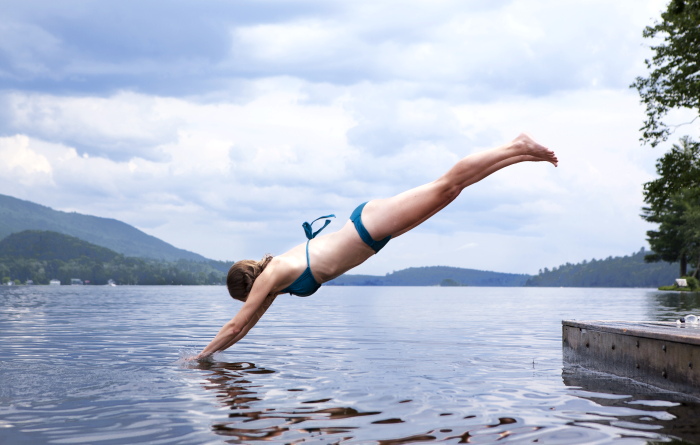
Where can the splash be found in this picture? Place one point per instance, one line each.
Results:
(188, 358)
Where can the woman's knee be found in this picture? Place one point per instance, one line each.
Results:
(447, 189)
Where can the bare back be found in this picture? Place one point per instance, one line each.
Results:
(330, 255)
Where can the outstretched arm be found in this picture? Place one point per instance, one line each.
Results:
(230, 334)
(235, 329)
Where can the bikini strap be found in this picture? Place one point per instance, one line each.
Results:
(310, 234)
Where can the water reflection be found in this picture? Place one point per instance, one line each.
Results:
(240, 394)
(253, 419)
(632, 405)
(669, 306)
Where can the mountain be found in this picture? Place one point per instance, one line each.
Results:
(627, 271)
(47, 246)
(40, 256)
(433, 276)
(17, 215)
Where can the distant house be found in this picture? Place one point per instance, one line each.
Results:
(29, 282)
(55, 282)
(76, 281)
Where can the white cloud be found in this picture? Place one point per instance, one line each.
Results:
(482, 49)
(121, 126)
(21, 164)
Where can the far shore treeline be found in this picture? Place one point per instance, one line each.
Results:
(627, 271)
(41, 256)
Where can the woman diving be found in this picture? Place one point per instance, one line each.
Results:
(303, 269)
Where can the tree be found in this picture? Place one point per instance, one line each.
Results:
(667, 243)
(669, 198)
(690, 228)
(674, 81)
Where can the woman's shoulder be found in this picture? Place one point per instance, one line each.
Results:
(284, 269)
(281, 263)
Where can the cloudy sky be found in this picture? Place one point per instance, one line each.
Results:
(220, 126)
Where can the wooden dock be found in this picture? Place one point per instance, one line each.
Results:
(663, 354)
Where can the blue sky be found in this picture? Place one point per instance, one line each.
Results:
(220, 126)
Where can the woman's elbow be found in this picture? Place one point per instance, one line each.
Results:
(233, 329)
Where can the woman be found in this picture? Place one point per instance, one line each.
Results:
(301, 270)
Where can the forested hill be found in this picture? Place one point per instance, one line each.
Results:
(433, 276)
(627, 271)
(48, 246)
(40, 256)
(17, 215)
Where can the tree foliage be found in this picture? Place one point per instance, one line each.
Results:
(674, 78)
(41, 256)
(690, 226)
(46, 245)
(121, 269)
(433, 276)
(672, 203)
(627, 271)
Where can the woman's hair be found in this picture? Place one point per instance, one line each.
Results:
(242, 275)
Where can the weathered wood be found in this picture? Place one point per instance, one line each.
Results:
(662, 354)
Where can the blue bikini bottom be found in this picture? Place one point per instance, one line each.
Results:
(356, 218)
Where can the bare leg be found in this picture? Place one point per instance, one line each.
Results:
(401, 213)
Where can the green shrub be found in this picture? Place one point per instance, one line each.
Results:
(674, 287)
(693, 283)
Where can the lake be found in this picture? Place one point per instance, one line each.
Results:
(384, 365)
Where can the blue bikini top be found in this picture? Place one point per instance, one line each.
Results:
(306, 284)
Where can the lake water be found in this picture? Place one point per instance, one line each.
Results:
(386, 365)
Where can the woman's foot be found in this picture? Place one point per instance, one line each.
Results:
(534, 151)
